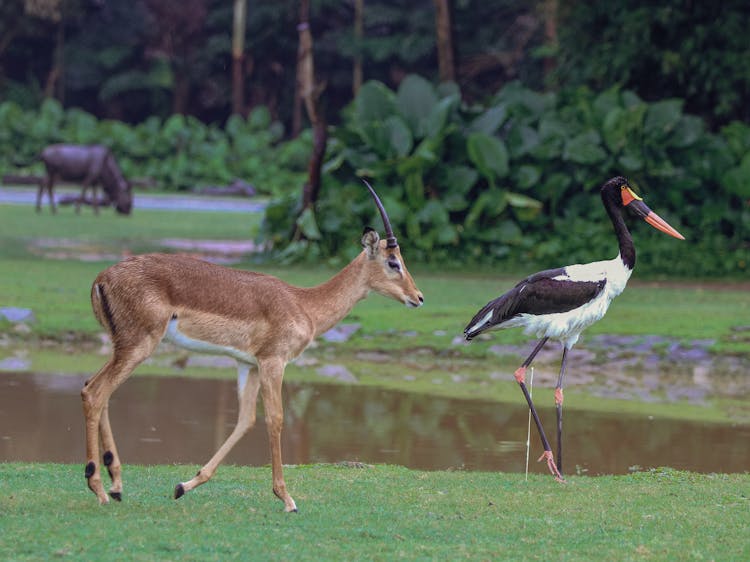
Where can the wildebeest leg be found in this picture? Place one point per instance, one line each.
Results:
(82, 198)
(40, 192)
(51, 178)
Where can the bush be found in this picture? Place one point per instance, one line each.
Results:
(179, 153)
(516, 181)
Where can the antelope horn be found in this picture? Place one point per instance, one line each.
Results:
(390, 238)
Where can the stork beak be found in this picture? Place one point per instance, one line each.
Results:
(660, 224)
(636, 204)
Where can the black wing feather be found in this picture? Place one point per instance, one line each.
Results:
(538, 294)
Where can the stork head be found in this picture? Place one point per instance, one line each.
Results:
(618, 193)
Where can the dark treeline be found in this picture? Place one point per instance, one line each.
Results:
(130, 59)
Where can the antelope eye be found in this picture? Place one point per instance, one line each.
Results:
(394, 264)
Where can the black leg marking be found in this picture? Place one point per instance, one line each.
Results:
(90, 469)
(107, 310)
(179, 491)
(108, 458)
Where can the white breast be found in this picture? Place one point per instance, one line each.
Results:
(567, 326)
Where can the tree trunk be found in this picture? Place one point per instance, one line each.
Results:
(550, 34)
(359, 8)
(444, 41)
(238, 57)
(53, 87)
(304, 47)
(181, 93)
(309, 92)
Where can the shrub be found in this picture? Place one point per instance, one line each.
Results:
(178, 154)
(516, 181)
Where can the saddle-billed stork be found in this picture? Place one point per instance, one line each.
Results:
(561, 303)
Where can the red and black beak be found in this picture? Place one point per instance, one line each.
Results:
(635, 204)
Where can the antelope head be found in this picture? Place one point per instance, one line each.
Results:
(386, 270)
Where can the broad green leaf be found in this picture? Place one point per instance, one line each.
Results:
(489, 121)
(584, 148)
(438, 119)
(415, 101)
(662, 116)
(522, 201)
(399, 135)
(527, 176)
(259, 118)
(308, 226)
(375, 102)
(522, 139)
(488, 154)
(687, 131)
(459, 179)
(737, 180)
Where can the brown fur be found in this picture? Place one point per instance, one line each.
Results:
(256, 314)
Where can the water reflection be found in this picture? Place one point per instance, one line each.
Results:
(176, 420)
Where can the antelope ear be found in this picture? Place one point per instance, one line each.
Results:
(370, 242)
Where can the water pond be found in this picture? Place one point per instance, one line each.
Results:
(159, 420)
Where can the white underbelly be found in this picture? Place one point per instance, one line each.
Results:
(563, 326)
(173, 335)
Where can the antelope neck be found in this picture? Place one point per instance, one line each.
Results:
(330, 302)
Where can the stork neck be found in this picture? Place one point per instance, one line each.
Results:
(624, 239)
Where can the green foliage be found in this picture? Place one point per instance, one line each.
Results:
(697, 51)
(178, 153)
(518, 179)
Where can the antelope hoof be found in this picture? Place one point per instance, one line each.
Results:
(290, 507)
(117, 496)
(179, 491)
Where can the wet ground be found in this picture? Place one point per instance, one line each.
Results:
(161, 420)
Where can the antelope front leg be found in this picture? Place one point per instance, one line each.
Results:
(110, 457)
(248, 384)
(271, 375)
(92, 412)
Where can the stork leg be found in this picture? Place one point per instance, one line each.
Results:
(558, 406)
(520, 375)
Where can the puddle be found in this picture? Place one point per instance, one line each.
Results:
(160, 420)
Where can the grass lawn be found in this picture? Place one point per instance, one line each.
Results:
(58, 289)
(375, 513)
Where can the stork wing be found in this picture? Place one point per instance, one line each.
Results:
(546, 292)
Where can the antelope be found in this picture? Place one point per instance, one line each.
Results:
(257, 319)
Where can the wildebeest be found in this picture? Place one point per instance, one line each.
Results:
(92, 165)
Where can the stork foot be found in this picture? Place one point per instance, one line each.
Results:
(547, 455)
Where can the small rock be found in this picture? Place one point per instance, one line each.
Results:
(341, 333)
(16, 315)
(338, 372)
(15, 364)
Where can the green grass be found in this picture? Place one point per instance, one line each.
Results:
(21, 224)
(376, 513)
(59, 288)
